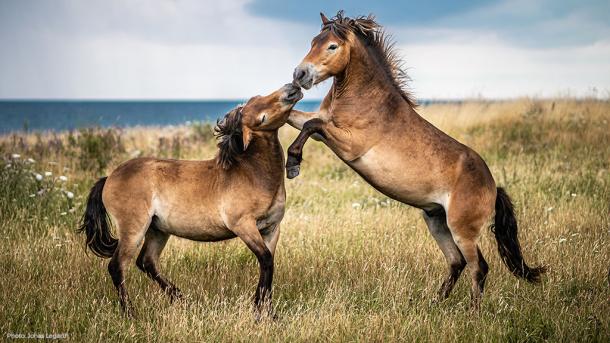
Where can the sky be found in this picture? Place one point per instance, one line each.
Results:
(234, 49)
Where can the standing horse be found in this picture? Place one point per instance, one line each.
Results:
(368, 120)
(240, 193)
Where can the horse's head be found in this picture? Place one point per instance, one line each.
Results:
(331, 49)
(270, 112)
(261, 113)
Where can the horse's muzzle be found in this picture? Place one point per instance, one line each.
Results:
(292, 93)
(303, 75)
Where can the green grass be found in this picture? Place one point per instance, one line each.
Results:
(351, 264)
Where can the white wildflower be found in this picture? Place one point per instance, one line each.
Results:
(32, 195)
(135, 153)
(63, 213)
(38, 177)
(573, 195)
(48, 173)
(8, 166)
(63, 178)
(70, 195)
(15, 156)
(356, 205)
(561, 240)
(31, 160)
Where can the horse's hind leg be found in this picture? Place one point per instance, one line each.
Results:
(131, 233)
(477, 265)
(148, 260)
(465, 227)
(437, 225)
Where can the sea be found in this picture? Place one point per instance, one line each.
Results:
(60, 115)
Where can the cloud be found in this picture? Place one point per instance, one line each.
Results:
(486, 67)
(168, 22)
(177, 49)
(142, 49)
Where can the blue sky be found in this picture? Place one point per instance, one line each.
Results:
(532, 23)
(189, 49)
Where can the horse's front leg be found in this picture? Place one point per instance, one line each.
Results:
(295, 151)
(297, 119)
(248, 232)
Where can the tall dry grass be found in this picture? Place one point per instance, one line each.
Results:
(351, 265)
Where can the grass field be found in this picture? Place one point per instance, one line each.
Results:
(351, 264)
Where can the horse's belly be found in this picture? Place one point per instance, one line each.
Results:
(194, 223)
(204, 231)
(399, 179)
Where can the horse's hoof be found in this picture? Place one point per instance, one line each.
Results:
(130, 313)
(260, 317)
(293, 171)
(175, 295)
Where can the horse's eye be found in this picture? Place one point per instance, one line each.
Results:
(263, 118)
(332, 47)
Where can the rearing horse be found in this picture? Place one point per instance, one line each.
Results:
(368, 120)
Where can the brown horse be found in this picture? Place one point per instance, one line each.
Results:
(368, 120)
(240, 193)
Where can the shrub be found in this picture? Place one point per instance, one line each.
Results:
(202, 132)
(98, 147)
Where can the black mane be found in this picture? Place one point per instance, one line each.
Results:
(374, 35)
(229, 136)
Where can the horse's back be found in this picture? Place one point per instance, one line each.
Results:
(179, 193)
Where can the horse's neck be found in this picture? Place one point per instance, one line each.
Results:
(363, 89)
(265, 153)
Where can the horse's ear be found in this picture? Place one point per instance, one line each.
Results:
(246, 134)
(324, 19)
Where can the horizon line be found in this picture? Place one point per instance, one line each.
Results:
(422, 100)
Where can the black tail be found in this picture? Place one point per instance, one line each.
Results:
(95, 223)
(505, 229)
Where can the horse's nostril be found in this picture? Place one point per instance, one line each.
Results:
(298, 74)
(292, 94)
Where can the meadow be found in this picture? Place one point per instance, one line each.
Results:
(351, 264)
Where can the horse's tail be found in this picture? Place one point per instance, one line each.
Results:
(505, 230)
(95, 223)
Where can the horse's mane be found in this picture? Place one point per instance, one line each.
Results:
(382, 44)
(228, 133)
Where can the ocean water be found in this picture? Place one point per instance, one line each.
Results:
(38, 115)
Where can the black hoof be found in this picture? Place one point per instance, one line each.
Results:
(130, 313)
(268, 316)
(293, 171)
(175, 295)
